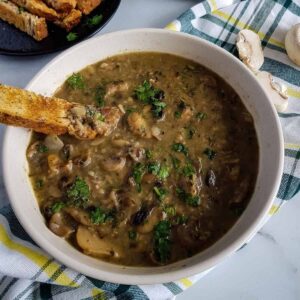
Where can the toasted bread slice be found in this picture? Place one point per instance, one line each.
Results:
(52, 115)
(70, 21)
(38, 8)
(61, 5)
(86, 6)
(31, 24)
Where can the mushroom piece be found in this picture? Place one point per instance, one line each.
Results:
(90, 242)
(249, 48)
(79, 215)
(154, 217)
(292, 44)
(59, 227)
(138, 125)
(276, 90)
(136, 153)
(53, 142)
(114, 164)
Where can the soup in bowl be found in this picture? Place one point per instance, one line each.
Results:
(183, 180)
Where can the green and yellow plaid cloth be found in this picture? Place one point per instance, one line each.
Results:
(27, 272)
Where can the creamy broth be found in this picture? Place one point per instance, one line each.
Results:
(168, 182)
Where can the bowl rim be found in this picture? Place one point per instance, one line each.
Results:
(151, 278)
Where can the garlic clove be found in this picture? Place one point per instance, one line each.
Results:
(277, 91)
(249, 48)
(292, 44)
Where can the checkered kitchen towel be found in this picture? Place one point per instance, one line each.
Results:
(27, 272)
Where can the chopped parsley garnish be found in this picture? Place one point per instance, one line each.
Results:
(160, 192)
(137, 174)
(201, 116)
(153, 167)
(76, 81)
(39, 184)
(57, 207)
(99, 95)
(181, 219)
(181, 106)
(177, 114)
(188, 170)
(79, 192)
(170, 210)
(148, 94)
(149, 153)
(162, 241)
(130, 110)
(41, 148)
(190, 132)
(175, 162)
(21, 9)
(100, 117)
(132, 235)
(188, 198)
(163, 172)
(178, 147)
(210, 153)
(71, 36)
(99, 216)
(94, 21)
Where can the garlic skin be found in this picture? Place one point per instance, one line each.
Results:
(292, 44)
(249, 49)
(276, 91)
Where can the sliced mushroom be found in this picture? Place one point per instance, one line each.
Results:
(276, 90)
(154, 217)
(54, 164)
(114, 164)
(292, 44)
(33, 150)
(79, 215)
(116, 87)
(58, 226)
(53, 142)
(138, 125)
(136, 153)
(84, 160)
(156, 132)
(90, 242)
(249, 48)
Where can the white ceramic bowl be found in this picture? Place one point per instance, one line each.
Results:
(228, 67)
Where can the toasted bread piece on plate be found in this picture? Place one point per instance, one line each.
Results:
(31, 24)
(38, 8)
(86, 6)
(61, 5)
(70, 21)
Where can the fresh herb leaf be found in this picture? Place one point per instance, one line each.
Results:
(100, 117)
(148, 94)
(190, 200)
(201, 116)
(137, 174)
(94, 21)
(41, 148)
(153, 167)
(210, 153)
(99, 96)
(175, 162)
(170, 210)
(132, 235)
(163, 172)
(178, 147)
(99, 216)
(182, 219)
(177, 114)
(188, 170)
(130, 110)
(149, 153)
(76, 81)
(71, 36)
(162, 241)
(79, 192)
(39, 183)
(21, 9)
(57, 207)
(160, 192)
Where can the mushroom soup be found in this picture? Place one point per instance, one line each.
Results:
(172, 177)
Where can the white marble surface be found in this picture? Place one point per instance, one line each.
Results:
(269, 267)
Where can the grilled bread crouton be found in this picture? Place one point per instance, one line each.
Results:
(63, 6)
(70, 21)
(31, 24)
(86, 6)
(38, 8)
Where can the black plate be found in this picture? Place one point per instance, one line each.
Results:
(16, 42)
